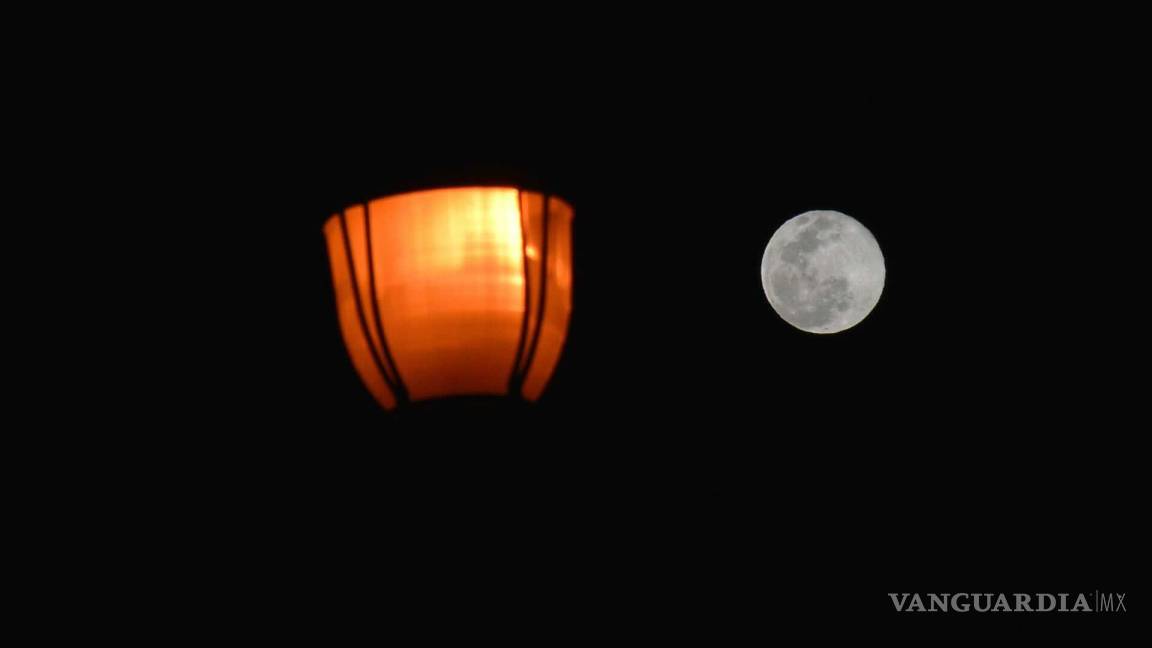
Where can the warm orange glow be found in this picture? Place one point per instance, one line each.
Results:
(440, 292)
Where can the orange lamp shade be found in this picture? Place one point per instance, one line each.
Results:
(453, 292)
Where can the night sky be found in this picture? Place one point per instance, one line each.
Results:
(696, 461)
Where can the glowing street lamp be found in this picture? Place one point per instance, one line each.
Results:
(453, 292)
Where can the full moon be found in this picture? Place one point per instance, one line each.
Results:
(822, 272)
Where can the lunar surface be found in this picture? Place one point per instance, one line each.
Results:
(822, 272)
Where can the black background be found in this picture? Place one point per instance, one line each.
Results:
(697, 464)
